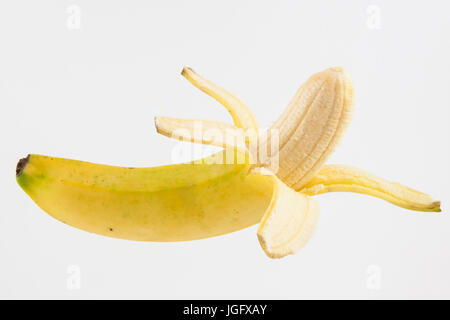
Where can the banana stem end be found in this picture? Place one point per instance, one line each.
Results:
(21, 165)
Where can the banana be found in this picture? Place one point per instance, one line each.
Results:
(229, 190)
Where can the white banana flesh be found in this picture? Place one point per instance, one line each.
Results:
(312, 125)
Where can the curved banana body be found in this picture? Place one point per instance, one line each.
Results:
(169, 203)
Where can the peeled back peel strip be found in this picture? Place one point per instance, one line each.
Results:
(242, 115)
(334, 178)
(289, 222)
(206, 132)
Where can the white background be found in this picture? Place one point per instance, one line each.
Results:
(90, 93)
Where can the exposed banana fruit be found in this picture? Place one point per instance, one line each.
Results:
(312, 125)
(228, 191)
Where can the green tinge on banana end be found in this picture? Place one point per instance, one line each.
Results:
(26, 181)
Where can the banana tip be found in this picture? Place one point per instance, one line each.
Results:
(437, 206)
(21, 165)
(185, 71)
